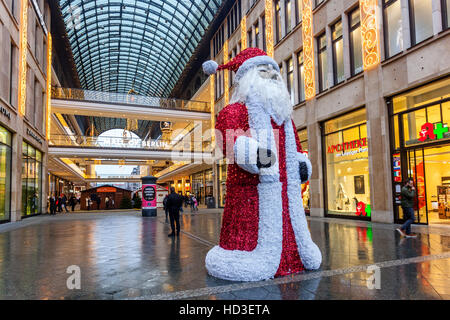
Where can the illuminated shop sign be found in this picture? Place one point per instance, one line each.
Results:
(349, 148)
(431, 131)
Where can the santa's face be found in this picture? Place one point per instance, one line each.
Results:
(266, 71)
(264, 85)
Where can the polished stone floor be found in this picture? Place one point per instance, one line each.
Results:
(124, 256)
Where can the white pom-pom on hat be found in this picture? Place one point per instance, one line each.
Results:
(210, 67)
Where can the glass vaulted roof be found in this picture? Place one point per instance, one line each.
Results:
(142, 45)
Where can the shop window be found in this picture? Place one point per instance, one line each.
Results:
(338, 53)
(433, 92)
(421, 18)
(347, 166)
(5, 174)
(323, 62)
(393, 27)
(222, 166)
(301, 77)
(31, 180)
(290, 78)
(306, 193)
(355, 42)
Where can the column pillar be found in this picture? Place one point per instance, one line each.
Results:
(16, 178)
(315, 156)
(380, 180)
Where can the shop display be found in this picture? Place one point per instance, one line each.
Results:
(444, 202)
(347, 166)
(264, 230)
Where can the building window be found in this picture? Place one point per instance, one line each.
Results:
(250, 38)
(288, 14)
(256, 26)
(264, 33)
(347, 186)
(421, 17)
(5, 174)
(277, 21)
(290, 78)
(306, 194)
(31, 180)
(392, 27)
(218, 40)
(301, 77)
(234, 18)
(338, 53)
(323, 63)
(445, 8)
(355, 42)
(12, 78)
(299, 10)
(318, 2)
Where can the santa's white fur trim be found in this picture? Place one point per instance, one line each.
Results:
(210, 67)
(308, 250)
(245, 153)
(253, 62)
(303, 158)
(263, 262)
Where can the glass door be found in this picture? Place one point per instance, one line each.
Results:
(416, 170)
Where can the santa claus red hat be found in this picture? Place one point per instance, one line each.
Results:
(243, 62)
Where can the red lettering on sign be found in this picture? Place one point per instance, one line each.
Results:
(426, 132)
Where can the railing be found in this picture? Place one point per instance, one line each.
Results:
(130, 99)
(129, 143)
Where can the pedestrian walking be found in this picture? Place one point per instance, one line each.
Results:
(73, 202)
(408, 195)
(107, 202)
(88, 203)
(194, 200)
(59, 203)
(174, 203)
(52, 201)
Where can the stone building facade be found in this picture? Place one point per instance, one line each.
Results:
(348, 125)
(23, 156)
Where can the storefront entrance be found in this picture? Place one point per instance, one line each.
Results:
(420, 134)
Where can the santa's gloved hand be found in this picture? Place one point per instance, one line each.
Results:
(265, 158)
(304, 166)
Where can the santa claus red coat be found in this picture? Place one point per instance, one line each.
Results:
(264, 230)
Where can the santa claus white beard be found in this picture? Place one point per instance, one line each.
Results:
(271, 94)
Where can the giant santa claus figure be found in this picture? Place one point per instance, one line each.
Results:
(264, 230)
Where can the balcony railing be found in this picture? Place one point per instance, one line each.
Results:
(129, 99)
(76, 141)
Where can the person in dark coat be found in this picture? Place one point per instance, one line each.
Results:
(52, 204)
(166, 209)
(64, 202)
(174, 203)
(408, 195)
(59, 203)
(98, 200)
(73, 202)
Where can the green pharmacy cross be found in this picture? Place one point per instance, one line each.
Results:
(440, 130)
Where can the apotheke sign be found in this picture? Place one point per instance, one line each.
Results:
(352, 147)
(430, 131)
